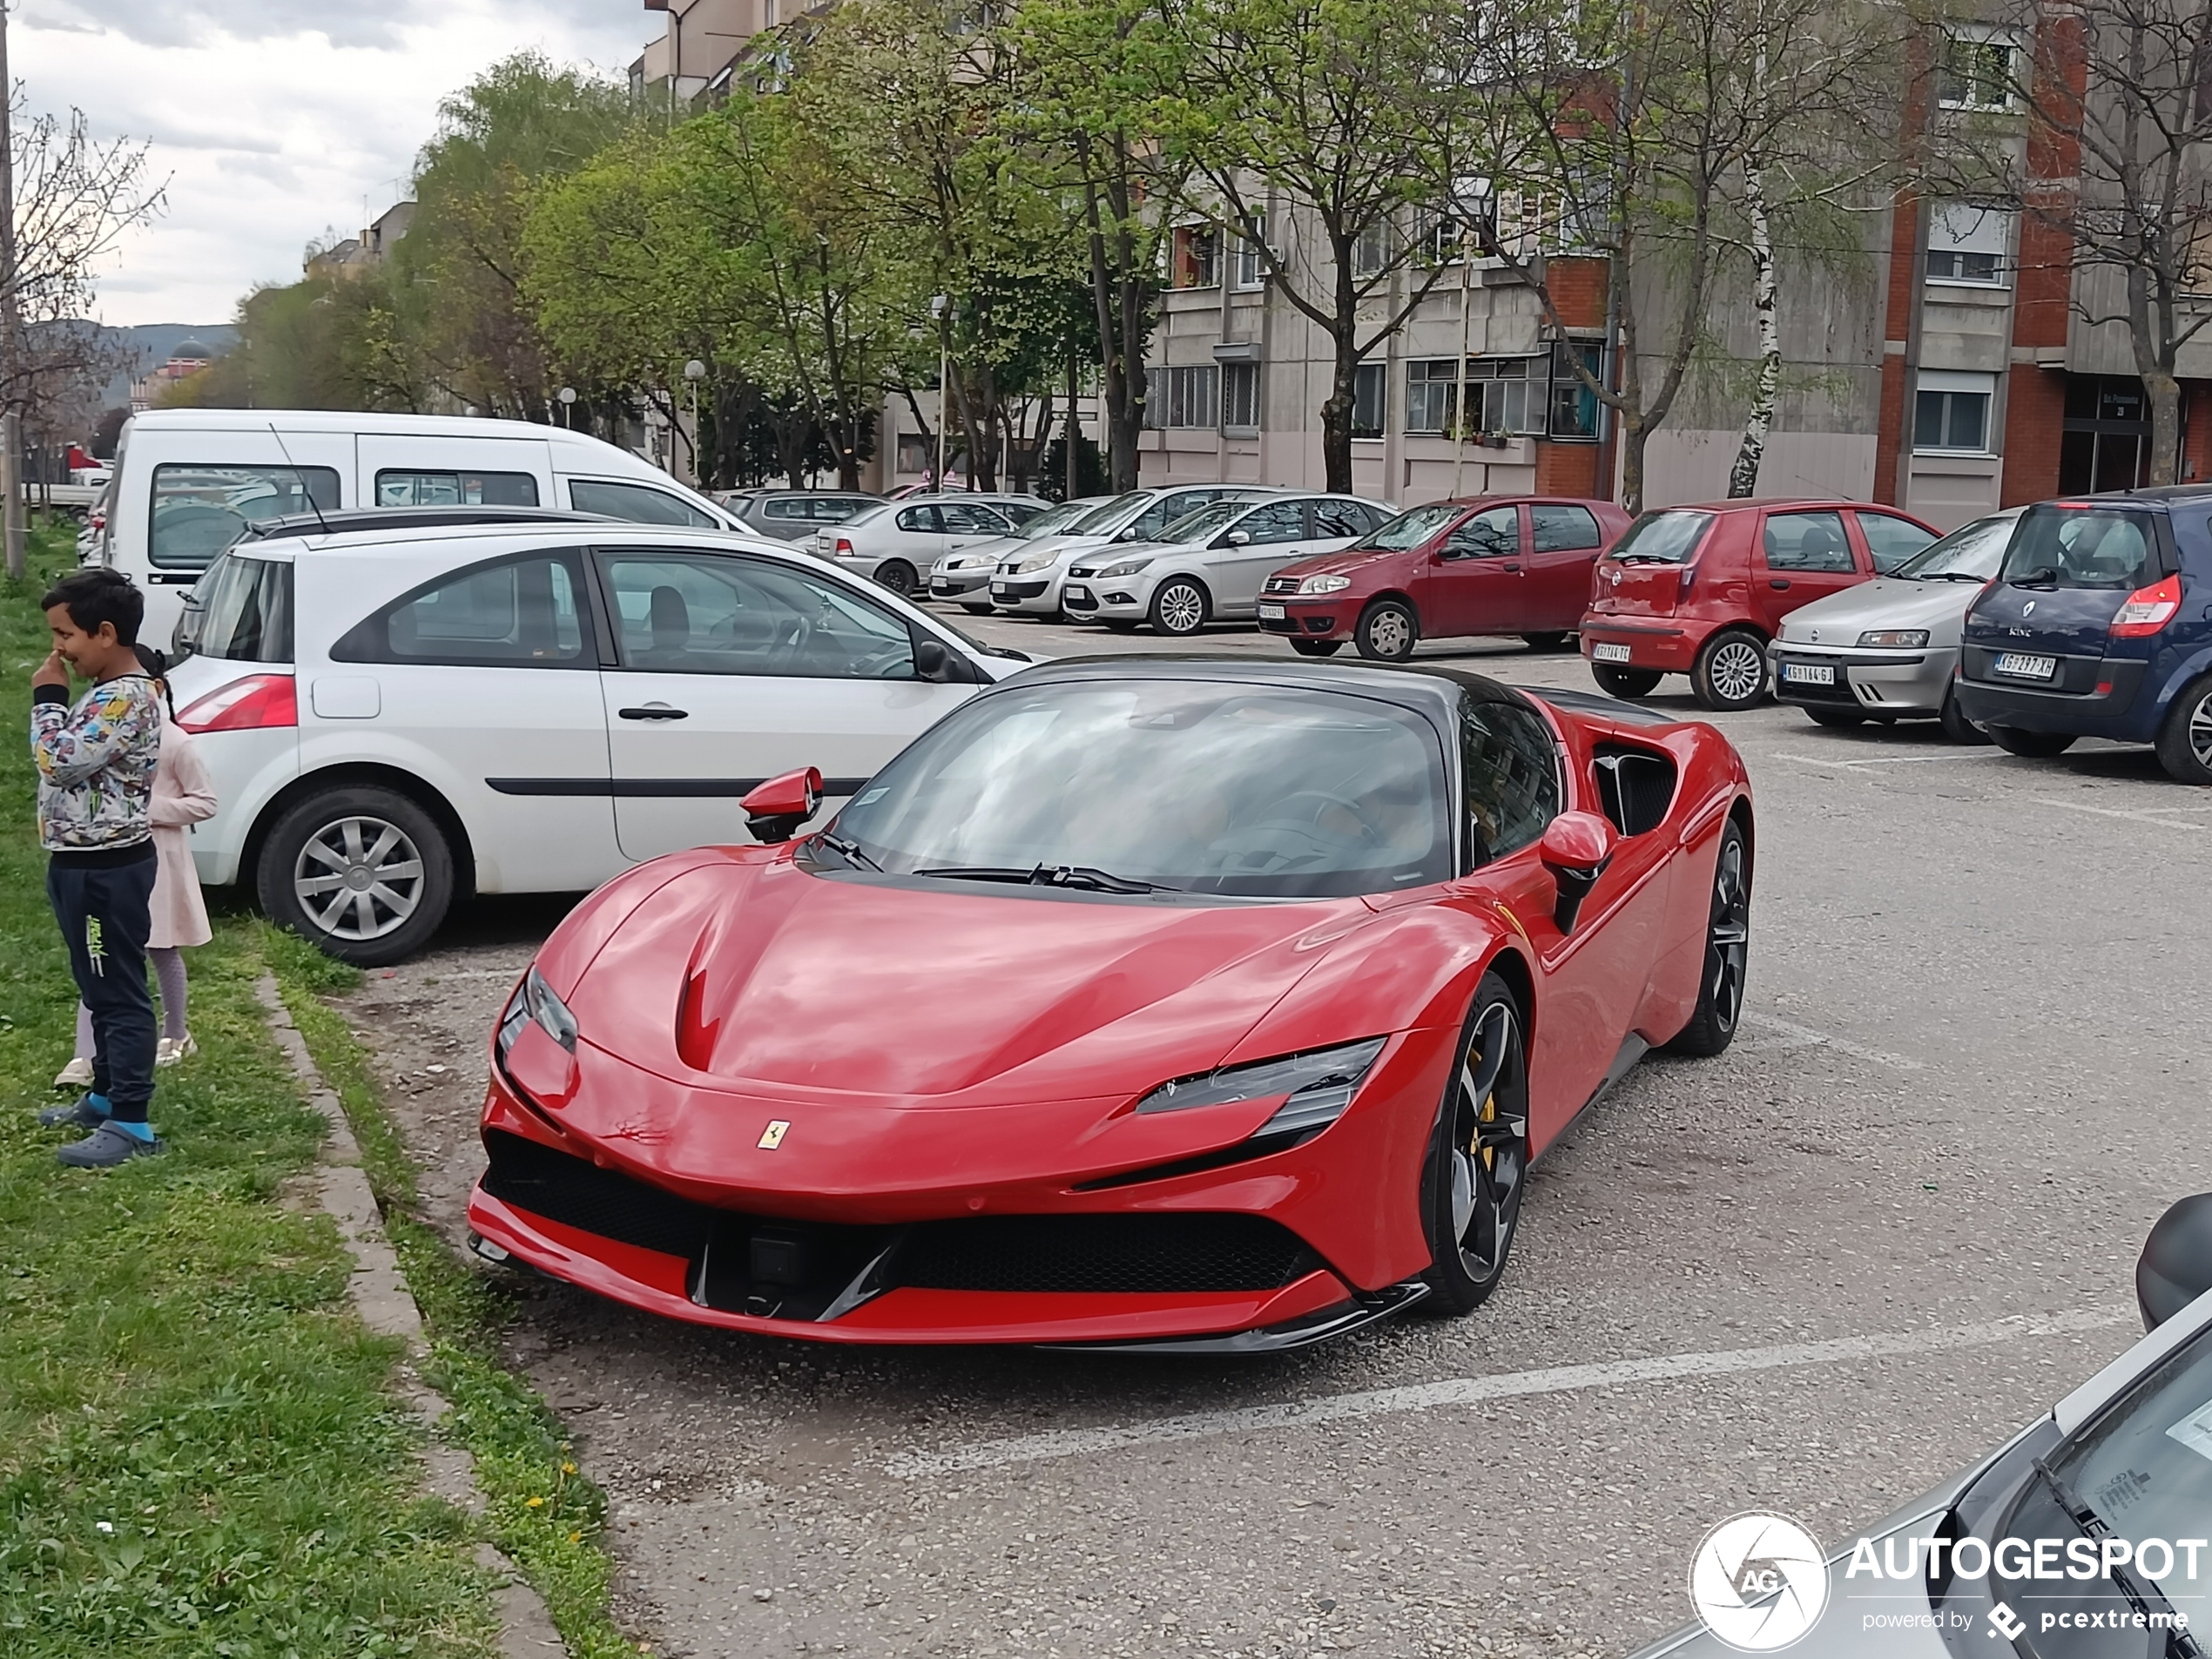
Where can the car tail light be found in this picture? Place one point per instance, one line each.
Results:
(842, 548)
(2147, 609)
(254, 702)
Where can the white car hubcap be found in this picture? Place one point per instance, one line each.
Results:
(358, 878)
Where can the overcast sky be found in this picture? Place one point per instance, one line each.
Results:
(275, 120)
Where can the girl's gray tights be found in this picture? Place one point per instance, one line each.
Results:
(169, 972)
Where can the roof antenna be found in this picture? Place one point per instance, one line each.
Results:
(299, 473)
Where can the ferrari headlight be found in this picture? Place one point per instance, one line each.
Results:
(535, 1000)
(1127, 567)
(1320, 1086)
(1324, 584)
(1894, 639)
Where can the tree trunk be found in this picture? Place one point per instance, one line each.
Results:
(1070, 460)
(1633, 435)
(2164, 392)
(1743, 477)
(1336, 414)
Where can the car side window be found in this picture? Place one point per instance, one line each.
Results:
(1563, 529)
(200, 510)
(1280, 521)
(524, 612)
(1164, 511)
(706, 613)
(1017, 513)
(787, 507)
(1891, 540)
(920, 521)
(413, 488)
(1510, 763)
(1812, 541)
(1492, 534)
(1333, 518)
(970, 518)
(639, 504)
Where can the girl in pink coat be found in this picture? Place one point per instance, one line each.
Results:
(184, 794)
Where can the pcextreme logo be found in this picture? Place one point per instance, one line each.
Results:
(1759, 1582)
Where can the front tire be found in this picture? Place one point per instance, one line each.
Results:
(1729, 674)
(2034, 745)
(1388, 631)
(1632, 684)
(1317, 647)
(1728, 944)
(364, 873)
(1179, 608)
(1478, 1157)
(978, 610)
(2185, 735)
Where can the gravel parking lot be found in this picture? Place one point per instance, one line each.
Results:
(1965, 1089)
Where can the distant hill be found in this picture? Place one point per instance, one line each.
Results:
(151, 343)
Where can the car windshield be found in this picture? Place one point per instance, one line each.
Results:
(1409, 528)
(1205, 787)
(1662, 538)
(1202, 524)
(1971, 554)
(2084, 546)
(1109, 515)
(1058, 520)
(2142, 1472)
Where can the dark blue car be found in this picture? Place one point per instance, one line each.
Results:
(2099, 625)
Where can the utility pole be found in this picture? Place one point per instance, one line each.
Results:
(10, 318)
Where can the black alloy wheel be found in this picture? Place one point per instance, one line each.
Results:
(1632, 684)
(1478, 1159)
(2185, 735)
(2033, 745)
(1727, 946)
(1317, 647)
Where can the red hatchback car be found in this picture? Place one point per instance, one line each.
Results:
(1493, 564)
(1701, 589)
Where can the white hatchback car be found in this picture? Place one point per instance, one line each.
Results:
(901, 542)
(394, 718)
(1208, 566)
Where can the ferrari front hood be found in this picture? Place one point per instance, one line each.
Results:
(753, 975)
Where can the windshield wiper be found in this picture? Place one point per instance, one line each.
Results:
(848, 851)
(2044, 576)
(1952, 575)
(1049, 875)
(2147, 1600)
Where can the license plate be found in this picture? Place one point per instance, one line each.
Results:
(1608, 653)
(2021, 665)
(1270, 613)
(1079, 595)
(1810, 673)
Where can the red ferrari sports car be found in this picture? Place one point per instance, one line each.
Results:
(1167, 1003)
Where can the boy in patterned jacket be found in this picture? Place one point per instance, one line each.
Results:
(96, 759)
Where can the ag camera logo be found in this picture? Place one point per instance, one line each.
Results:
(1759, 1582)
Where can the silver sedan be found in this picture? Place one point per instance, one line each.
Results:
(1886, 649)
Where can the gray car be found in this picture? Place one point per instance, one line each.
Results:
(1887, 649)
(788, 515)
(2126, 1456)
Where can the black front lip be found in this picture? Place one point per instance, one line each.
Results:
(1275, 1338)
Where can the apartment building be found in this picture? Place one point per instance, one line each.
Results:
(1949, 370)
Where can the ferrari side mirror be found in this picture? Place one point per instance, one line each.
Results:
(2176, 1264)
(1576, 848)
(773, 811)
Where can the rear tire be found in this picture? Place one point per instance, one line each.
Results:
(2036, 745)
(1179, 608)
(2185, 736)
(1956, 726)
(1317, 647)
(1630, 683)
(1548, 641)
(899, 576)
(1836, 717)
(1477, 1166)
(1729, 674)
(1727, 945)
(1388, 631)
(373, 844)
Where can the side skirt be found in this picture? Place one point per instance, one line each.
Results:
(1633, 1048)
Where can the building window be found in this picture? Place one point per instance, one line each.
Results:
(1574, 409)
(1968, 243)
(1240, 397)
(1251, 263)
(1194, 257)
(1367, 400)
(1979, 70)
(1430, 388)
(1372, 251)
(1181, 397)
(1951, 413)
(1503, 393)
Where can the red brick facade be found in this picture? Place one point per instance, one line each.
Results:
(1570, 469)
(2035, 412)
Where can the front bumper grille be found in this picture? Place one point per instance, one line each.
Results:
(776, 1268)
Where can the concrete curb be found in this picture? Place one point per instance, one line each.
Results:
(387, 1306)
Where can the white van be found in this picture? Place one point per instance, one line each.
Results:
(188, 481)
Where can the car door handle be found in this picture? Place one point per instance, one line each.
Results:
(1776, 584)
(655, 711)
(1513, 566)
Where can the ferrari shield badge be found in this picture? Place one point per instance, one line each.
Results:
(772, 1136)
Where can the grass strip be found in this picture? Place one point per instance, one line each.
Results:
(546, 1516)
(198, 1451)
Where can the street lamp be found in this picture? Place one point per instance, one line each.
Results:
(940, 307)
(694, 372)
(568, 407)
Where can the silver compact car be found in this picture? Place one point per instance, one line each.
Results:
(1888, 649)
(2083, 1537)
(1028, 583)
(899, 543)
(965, 578)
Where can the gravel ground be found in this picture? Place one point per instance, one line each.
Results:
(1959, 1096)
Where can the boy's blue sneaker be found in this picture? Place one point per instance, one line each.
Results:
(87, 1113)
(105, 1148)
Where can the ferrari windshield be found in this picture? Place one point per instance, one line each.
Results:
(1214, 787)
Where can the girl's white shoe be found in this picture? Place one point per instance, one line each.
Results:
(168, 1052)
(77, 1074)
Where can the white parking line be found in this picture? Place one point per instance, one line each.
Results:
(2116, 811)
(1804, 1036)
(1468, 1391)
(1888, 760)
